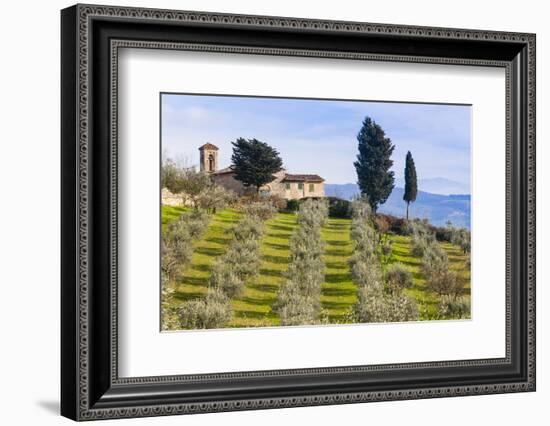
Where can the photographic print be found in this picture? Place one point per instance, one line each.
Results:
(294, 212)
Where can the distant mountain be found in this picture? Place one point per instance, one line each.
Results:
(438, 185)
(439, 209)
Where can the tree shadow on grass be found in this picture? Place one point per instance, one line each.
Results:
(243, 313)
(271, 272)
(336, 278)
(336, 226)
(336, 252)
(282, 260)
(276, 245)
(286, 228)
(337, 243)
(188, 295)
(218, 240)
(405, 262)
(201, 268)
(268, 288)
(199, 281)
(338, 292)
(257, 301)
(336, 265)
(226, 220)
(209, 251)
(334, 305)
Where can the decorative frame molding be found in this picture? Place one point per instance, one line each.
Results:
(91, 37)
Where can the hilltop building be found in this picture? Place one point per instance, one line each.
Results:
(285, 185)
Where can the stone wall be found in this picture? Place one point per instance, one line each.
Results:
(169, 199)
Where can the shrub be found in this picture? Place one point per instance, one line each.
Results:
(313, 213)
(366, 272)
(361, 210)
(386, 249)
(197, 223)
(370, 306)
(435, 265)
(223, 278)
(398, 277)
(168, 314)
(239, 264)
(460, 237)
(278, 202)
(418, 247)
(339, 208)
(299, 310)
(177, 248)
(249, 227)
(177, 241)
(375, 306)
(215, 197)
(401, 308)
(214, 311)
(364, 236)
(454, 307)
(292, 205)
(381, 224)
(260, 210)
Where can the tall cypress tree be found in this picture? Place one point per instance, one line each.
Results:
(410, 181)
(373, 164)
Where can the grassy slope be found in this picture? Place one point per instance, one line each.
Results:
(214, 243)
(253, 308)
(338, 291)
(426, 299)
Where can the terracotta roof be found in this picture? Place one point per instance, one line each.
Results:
(229, 169)
(208, 146)
(302, 178)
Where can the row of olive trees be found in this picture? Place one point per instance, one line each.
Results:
(459, 237)
(380, 297)
(177, 250)
(177, 241)
(230, 272)
(447, 284)
(299, 299)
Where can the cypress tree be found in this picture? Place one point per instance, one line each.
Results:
(410, 181)
(373, 164)
(255, 162)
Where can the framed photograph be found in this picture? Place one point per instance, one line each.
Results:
(263, 212)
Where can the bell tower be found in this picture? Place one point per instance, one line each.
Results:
(209, 157)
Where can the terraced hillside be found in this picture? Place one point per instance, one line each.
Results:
(254, 308)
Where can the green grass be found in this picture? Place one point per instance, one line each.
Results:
(170, 213)
(215, 242)
(254, 307)
(427, 300)
(338, 292)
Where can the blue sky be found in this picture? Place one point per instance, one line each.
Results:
(319, 136)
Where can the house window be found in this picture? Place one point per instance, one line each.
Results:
(287, 186)
(300, 186)
(311, 187)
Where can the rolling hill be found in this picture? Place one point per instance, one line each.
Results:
(437, 208)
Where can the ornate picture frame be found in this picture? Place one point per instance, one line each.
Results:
(91, 38)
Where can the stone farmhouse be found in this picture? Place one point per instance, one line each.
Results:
(285, 185)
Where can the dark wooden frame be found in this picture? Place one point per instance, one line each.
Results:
(90, 386)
